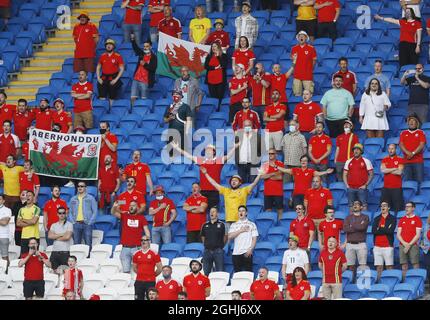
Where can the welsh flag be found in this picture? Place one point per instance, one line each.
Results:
(74, 156)
(174, 53)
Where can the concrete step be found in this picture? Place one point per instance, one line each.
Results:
(47, 62)
(58, 41)
(95, 4)
(19, 90)
(41, 70)
(13, 99)
(54, 54)
(30, 84)
(60, 47)
(94, 11)
(63, 34)
(30, 76)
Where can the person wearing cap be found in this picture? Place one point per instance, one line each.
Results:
(169, 24)
(294, 257)
(274, 116)
(260, 84)
(344, 144)
(216, 74)
(419, 88)
(131, 194)
(43, 115)
(384, 81)
(164, 213)
(338, 106)
(357, 175)
(196, 285)
(195, 206)
(7, 110)
(147, 266)
(244, 233)
(306, 19)
(155, 9)
(246, 114)
(234, 196)
(167, 287)
(86, 37)
(82, 93)
(209, 4)
(109, 71)
(305, 63)
(22, 120)
(392, 167)
(200, 26)
(219, 35)
(244, 55)
(238, 86)
(132, 19)
(412, 142)
(264, 288)
(328, 14)
(133, 227)
(62, 117)
(303, 228)
(246, 25)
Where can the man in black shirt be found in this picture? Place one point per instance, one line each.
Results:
(214, 238)
(15, 209)
(419, 85)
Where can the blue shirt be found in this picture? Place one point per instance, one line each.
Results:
(383, 80)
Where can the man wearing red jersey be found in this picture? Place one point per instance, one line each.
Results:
(304, 228)
(238, 86)
(132, 194)
(50, 215)
(392, 167)
(141, 172)
(274, 115)
(9, 143)
(43, 115)
(279, 80)
(168, 288)
(109, 143)
(132, 19)
(328, 13)
(245, 114)
(349, 78)
(155, 9)
(6, 110)
(26, 150)
(260, 89)
(22, 120)
(332, 262)
(29, 180)
(273, 184)
(147, 265)
(219, 35)
(329, 227)
(306, 60)
(164, 211)
(409, 233)
(86, 36)
(61, 117)
(133, 227)
(344, 144)
(263, 288)
(307, 114)
(109, 183)
(316, 199)
(109, 71)
(196, 285)
(319, 149)
(169, 24)
(83, 110)
(195, 207)
(412, 142)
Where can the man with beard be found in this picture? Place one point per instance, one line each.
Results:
(61, 117)
(168, 288)
(131, 194)
(274, 116)
(22, 120)
(109, 143)
(43, 116)
(50, 211)
(195, 207)
(141, 173)
(319, 149)
(196, 285)
(7, 111)
(9, 143)
(133, 227)
(108, 183)
(82, 93)
(263, 288)
(392, 167)
(246, 114)
(278, 80)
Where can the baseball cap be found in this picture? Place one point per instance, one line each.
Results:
(58, 100)
(350, 122)
(110, 41)
(358, 146)
(178, 92)
(240, 65)
(237, 177)
(219, 20)
(159, 188)
(246, 3)
(294, 238)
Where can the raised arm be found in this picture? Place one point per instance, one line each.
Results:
(210, 179)
(176, 146)
(389, 20)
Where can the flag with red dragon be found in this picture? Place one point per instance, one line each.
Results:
(174, 53)
(74, 156)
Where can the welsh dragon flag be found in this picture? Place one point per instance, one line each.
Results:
(74, 156)
(174, 53)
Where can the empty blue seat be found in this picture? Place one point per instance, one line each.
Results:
(274, 263)
(177, 193)
(112, 237)
(265, 221)
(417, 278)
(378, 291)
(105, 223)
(405, 291)
(193, 250)
(409, 189)
(390, 278)
(171, 251)
(351, 291)
(277, 234)
(264, 249)
(166, 179)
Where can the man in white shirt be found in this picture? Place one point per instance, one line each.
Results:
(5, 215)
(294, 257)
(245, 234)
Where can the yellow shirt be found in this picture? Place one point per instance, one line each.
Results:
(80, 216)
(199, 27)
(11, 180)
(232, 200)
(27, 213)
(306, 13)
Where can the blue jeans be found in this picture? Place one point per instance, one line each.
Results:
(161, 234)
(126, 257)
(153, 34)
(209, 5)
(211, 256)
(139, 89)
(414, 171)
(128, 29)
(82, 231)
(357, 194)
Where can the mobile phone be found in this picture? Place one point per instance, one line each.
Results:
(121, 202)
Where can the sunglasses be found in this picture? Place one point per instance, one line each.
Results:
(271, 153)
(81, 186)
(61, 213)
(145, 240)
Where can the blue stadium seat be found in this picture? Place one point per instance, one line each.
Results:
(351, 291)
(277, 235)
(264, 249)
(374, 145)
(171, 251)
(265, 221)
(157, 165)
(378, 291)
(105, 223)
(177, 193)
(405, 291)
(112, 237)
(255, 205)
(274, 263)
(315, 279)
(390, 278)
(409, 189)
(189, 177)
(417, 278)
(287, 218)
(166, 179)
(193, 250)
(347, 277)
(281, 248)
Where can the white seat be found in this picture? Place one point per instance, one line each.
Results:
(155, 247)
(92, 283)
(54, 294)
(3, 266)
(218, 280)
(14, 271)
(242, 280)
(80, 251)
(101, 252)
(11, 294)
(48, 250)
(118, 280)
(117, 251)
(392, 298)
(126, 294)
(97, 237)
(106, 293)
(51, 281)
(14, 252)
(164, 261)
(312, 291)
(4, 281)
(272, 275)
(180, 267)
(18, 281)
(88, 266)
(110, 266)
(223, 296)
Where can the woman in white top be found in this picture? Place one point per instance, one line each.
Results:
(373, 110)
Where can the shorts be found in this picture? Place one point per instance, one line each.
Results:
(4, 247)
(84, 64)
(383, 255)
(332, 291)
(83, 119)
(271, 202)
(274, 140)
(310, 26)
(59, 258)
(354, 251)
(300, 85)
(139, 89)
(32, 287)
(106, 90)
(413, 254)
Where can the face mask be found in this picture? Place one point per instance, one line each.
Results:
(247, 129)
(102, 131)
(176, 99)
(159, 198)
(147, 51)
(165, 276)
(292, 128)
(347, 130)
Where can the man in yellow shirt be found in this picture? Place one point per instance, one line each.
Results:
(200, 26)
(28, 219)
(306, 18)
(234, 197)
(9, 172)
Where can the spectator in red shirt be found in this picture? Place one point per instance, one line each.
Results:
(238, 86)
(132, 194)
(109, 143)
(50, 215)
(170, 25)
(278, 80)
(219, 35)
(273, 184)
(319, 149)
(61, 117)
(132, 19)
(216, 75)
(349, 78)
(263, 288)
(344, 144)
(108, 183)
(246, 114)
(9, 143)
(34, 260)
(307, 114)
(260, 88)
(392, 167)
(29, 180)
(195, 207)
(244, 55)
(155, 9)
(86, 36)
(168, 288)
(328, 14)
(329, 227)
(82, 93)
(141, 172)
(303, 228)
(274, 115)
(6, 110)
(299, 288)
(43, 115)
(109, 71)
(412, 143)
(306, 60)
(147, 265)
(22, 120)
(196, 285)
